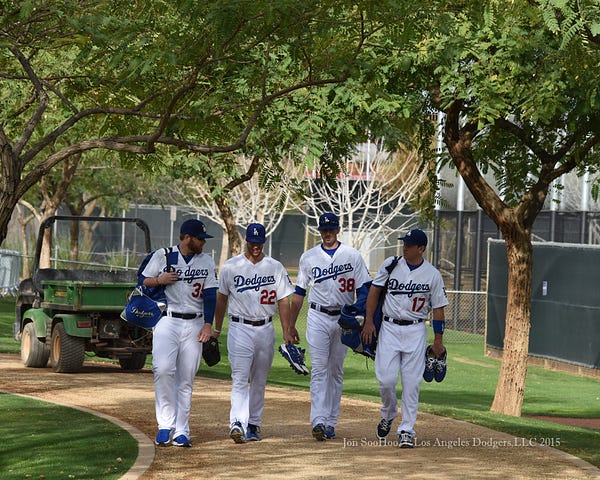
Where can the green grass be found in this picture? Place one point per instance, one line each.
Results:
(7, 318)
(37, 443)
(466, 393)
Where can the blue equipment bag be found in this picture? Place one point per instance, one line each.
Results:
(353, 316)
(146, 305)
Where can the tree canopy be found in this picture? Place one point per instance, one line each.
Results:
(517, 83)
(193, 76)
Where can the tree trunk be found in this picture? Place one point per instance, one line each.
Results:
(45, 253)
(233, 237)
(9, 182)
(224, 248)
(515, 224)
(510, 389)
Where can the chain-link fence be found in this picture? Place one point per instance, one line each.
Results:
(465, 317)
(10, 267)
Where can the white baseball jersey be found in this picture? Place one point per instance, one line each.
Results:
(333, 279)
(175, 346)
(411, 294)
(254, 289)
(185, 295)
(401, 348)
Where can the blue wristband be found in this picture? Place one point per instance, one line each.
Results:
(300, 291)
(438, 326)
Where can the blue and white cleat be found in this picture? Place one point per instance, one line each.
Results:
(428, 373)
(237, 434)
(439, 369)
(163, 437)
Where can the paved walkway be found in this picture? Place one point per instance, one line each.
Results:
(446, 449)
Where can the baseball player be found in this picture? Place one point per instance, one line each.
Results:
(255, 286)
(190, 288)
(414, 288)
(335, 273)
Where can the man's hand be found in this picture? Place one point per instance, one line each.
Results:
(167, 278)
(438, 346)
(205, 333)
(368, 331)
(292, 336)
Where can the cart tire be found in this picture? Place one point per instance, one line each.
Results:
(34, 352)
(67, 352)
(135, 362)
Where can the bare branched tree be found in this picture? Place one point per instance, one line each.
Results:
(371, 197)
(249, 201)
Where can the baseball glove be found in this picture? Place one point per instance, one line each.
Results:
(295, 356)
(210, 352)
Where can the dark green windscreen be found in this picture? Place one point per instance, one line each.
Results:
(565, 303)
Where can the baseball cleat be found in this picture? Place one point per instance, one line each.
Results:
(182, 441)
(236, 433)
(439, 369)
(429, 364)
(384, 428)
(406, 440)
(295, 356)
(318, 432)
(253, 433)
(163, 437)
(329, 432)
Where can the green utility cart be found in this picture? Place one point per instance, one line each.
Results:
(62, 313)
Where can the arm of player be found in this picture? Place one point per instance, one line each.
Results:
(368, 331)
(284, 315)
(438, 320)
(297, 301)
(163, 278)
(209, 296)
(220, 308)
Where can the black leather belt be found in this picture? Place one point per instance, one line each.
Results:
(184, 316)
(326, 310)
(254, 323)
(402, 322)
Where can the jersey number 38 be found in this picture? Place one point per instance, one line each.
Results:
(346, 284)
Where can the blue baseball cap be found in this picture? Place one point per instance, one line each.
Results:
(194, 228)
(255, 233)
(329, 221)
(415, 237)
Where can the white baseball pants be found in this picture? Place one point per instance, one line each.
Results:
(401, 350)
(176, 354)
(250, 352)
(327, 354)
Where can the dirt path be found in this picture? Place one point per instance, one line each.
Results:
(446, 448)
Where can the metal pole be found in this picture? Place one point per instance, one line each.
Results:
(173, 219)
(435, 260)
(555, 198)
(437, 208)
(478, 237)
(460, 205)
(585, 205)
